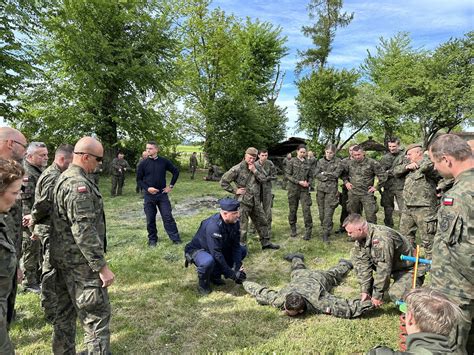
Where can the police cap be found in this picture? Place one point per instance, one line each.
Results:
(229, 204)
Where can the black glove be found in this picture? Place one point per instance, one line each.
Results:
(187, 259)
(240, 277)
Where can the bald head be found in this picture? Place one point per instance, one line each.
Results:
(13, 144)
(88, 153)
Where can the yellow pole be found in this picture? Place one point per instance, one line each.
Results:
(415, 272)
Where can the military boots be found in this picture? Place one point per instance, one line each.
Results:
(293, 230)
(204, 286)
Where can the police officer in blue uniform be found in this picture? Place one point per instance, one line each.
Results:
(216, 249)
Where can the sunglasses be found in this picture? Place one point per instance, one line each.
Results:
(97, 158)
(23, 145)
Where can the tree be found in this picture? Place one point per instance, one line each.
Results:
(229, 75)
(323, 32)
(106, 68)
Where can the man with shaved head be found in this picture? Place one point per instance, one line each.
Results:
(78, 254)
(13, 145)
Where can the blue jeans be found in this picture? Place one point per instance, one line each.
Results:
(207, 267)
(151, 202)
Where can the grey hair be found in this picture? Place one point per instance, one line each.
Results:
(34, 146)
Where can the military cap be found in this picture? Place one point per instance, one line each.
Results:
(229, 204)
(414, 145)
(252, 151)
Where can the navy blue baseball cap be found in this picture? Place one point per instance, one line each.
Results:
(229, 204)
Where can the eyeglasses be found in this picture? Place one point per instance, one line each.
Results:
(97, 158)
(23, 145)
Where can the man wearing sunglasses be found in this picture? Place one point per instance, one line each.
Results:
(77, 252)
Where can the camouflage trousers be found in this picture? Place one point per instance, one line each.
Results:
(117, 184)
(464, 334)
(49, 299)
(257, 214)
(266, 197)
(388, 204)
(7, 282)
(367, 202)
(327, 203)
(402, 283)
(423, 219)
(297, 194)
(31, 260)
(80, 294)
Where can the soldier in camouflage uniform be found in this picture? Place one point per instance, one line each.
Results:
(119, 167)
(344, 195)
(284, 164)
(312, 166)
(247, 179)
(309, 290)
(36, 161)
(11, 174)
(77, 252)
(419, 194)
(327, 173)
(13, 145)
(266, 197)
(41, 224)
(193, 164)
(430, 318)
(393, 188)
(378, 248)
(453, 248)
(359, 180)
(299, 178)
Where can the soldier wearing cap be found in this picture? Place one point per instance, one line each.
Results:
(453, 248)
(215, 248)
(247, 179)
(419, 195)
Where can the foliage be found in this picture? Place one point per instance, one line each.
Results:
(156, 307)
(323, 32)
(105, 68)
(326, 103)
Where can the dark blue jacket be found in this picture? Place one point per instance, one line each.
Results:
(221, 240)
(151, 172)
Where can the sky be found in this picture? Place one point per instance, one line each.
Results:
(429, 22)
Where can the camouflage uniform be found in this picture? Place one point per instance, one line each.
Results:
(31, 258)
(299, 170)
(421, 344)
(327, 173)
(453, 252)
(419, 194)
(380, 252)
(8, 265)
(361, 175)
(193, 164)
(314, 286)
(250, 205)
(77, 253)
(284, 165)
(119, 166)
(95, 175)
(393, 188)
(266, 196)
(313, 162)
(13, 221)
(344, 195)
(41, 218)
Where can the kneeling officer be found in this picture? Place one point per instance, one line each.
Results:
(216, 249)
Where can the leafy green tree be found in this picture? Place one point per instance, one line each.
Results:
(106, 69)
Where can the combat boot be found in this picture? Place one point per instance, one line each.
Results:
(270, 246)
(293, 230)
(347, 262)
(307, 235)
(326, 238)
(291, 256)
(204, 286)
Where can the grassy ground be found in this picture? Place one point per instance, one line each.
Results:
(156, 307)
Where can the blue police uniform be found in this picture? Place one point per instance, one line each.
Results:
(151, 172)
(216, 249)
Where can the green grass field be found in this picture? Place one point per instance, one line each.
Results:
(156, 307)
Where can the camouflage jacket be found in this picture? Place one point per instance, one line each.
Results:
(30, 179)
(43, 207)
(313, 162)
(453, 247)
(8, 257)
(421, 344)
(119, 166)
(380, 252)
(78, 235)
(269, 170)
(243, 177)
(327, 173)
(420, 184)
(193, 162)
(388, 162)
(298, 170)
(13, 221)
(361, 174)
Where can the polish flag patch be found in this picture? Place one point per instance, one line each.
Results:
(448, 201)
(81, 189)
